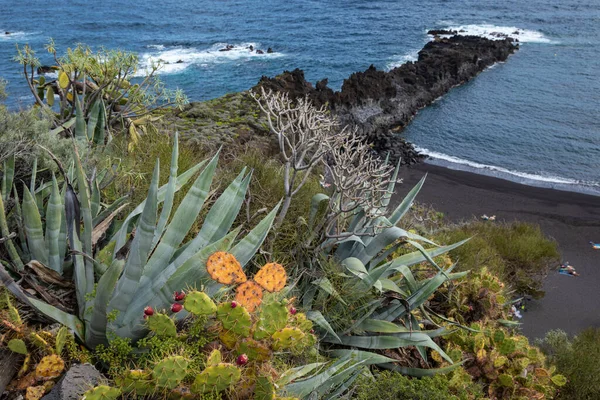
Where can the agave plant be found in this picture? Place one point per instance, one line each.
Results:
(383, 292)
(146, 264)
(41, 217)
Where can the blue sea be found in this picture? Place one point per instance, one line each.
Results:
(533, 119)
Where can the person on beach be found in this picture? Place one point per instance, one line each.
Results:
(567, 269)
(595, 246)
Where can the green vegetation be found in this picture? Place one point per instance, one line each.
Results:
(519, 253)
(577, 359)
(388, 385)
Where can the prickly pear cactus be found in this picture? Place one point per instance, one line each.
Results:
(229, 339)
(224, 268)
(235, 319)
(264, 389)
(287, 338)
(273, 317)
(181, 392)
(301, 322)
(216, 378)
(102, 392)
(271, 277)
(198, 303)
(137, 382)
(49, 367)
(162, 325)
(256, 351)
(249, 294)
(169, 372)
(18, 346)
(35, 392)
(214, 358)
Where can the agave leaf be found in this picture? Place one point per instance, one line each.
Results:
(93, 115)
(140, 249)
(407, 202)
(96, 331)
(53, 223)
(387, 237)
(385, 201)
(8, 175)
(33, 228)
(62, 127)
(170, 279)
(220, 218)
(421, 372)
(408, 276)
(379, 326)
(390, 286)
(367, 357)
(345, 385)
(103, 226)
(298, 372)
(80, 132)
(20, 226)
(381, 342)
(95, 199)
(246, 248)
(320, 320)
(185, 216)
(169, 195)
(315, 204)
(121, 236)
(33, 176)
(100, 131)
(117, 204)
(303, 387)
(68, 320)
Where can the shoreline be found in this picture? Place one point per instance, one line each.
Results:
(570, 218)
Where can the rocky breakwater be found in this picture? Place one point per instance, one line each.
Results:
(380, 104)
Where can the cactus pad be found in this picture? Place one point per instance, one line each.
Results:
(249, 294)
(271, 277)
(256, 351)
(301, 322)
(214, 358)
(169, 372)
(236, 320)
(181, 393)
(102, 392)
(264, 389)
(49, 367)
(273, 316)
(162, 325)
(216, 378)
(287, 338)
(198, 303)
(18, 346)
(136, 381)
(224, 268)
(228, 338)
(35, 392)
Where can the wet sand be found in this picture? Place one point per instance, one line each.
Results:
(572, 219)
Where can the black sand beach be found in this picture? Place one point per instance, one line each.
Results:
(572, 219)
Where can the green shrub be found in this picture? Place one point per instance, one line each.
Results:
(519, 253)
(577, 359)
(393, 385)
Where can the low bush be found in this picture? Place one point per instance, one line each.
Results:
(393, 385)
(519, 253)
(577, 359)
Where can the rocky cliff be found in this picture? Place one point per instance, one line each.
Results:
(380, 104)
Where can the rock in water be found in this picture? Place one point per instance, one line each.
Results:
(380, 104)
(78, 379)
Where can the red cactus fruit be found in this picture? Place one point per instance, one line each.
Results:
(179, 296)
(176, 307)
(312, 331)
(293, 311)
(148, 311)
(242, 360)
(233, 304)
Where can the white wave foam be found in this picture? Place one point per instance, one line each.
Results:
(524, 177)
(494, 32)
(177, 59)
(396, 61)
(15, 35)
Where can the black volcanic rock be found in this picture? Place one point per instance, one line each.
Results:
(380, 104)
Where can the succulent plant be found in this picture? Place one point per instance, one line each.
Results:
(162, 325)
(198, 303)
(287, 338)
(169, 372)
(234, 319)
(102, 392)
(225, 268)
(216, 378)
(49, 367)
(249, 294)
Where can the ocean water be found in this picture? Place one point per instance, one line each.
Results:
(533, 119)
